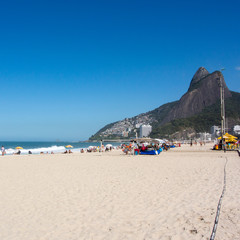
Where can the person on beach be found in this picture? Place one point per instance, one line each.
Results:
(17, 153)
(224, 145)
(3, 150)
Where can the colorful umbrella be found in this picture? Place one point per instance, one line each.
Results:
(69, 146)
(19, 148)
(227, 136)
(231, 139)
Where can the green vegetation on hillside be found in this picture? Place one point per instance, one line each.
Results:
(160, 113)
(199, 123)
(203, 121)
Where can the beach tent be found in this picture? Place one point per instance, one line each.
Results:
(228, 137)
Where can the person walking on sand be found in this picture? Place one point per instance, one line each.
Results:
(3, 150)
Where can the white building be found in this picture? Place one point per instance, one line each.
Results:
(215, 131)
(236, 129)
(138, 125)
(145, 130)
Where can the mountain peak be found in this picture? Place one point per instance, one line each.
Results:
(203, 94)
(200, 73)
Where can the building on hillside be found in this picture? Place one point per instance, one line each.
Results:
(145, 130)
(215, 131)
(125, 134)
(129, 129)
(138, 125)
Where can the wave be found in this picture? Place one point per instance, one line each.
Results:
(54, 149)
(47, 147)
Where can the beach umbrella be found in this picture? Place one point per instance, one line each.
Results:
(224, 137)
(19, 148)
(90, 148)
(230, 136)
(108, 145)
(69, 146)
(231, 139)
(227, 136)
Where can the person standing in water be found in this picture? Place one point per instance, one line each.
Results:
(3, 150)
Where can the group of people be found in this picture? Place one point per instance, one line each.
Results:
(67, 151)
(4, 151)
(134, 146)
(98, 149)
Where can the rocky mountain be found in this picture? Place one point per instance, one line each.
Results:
(201, 73)
(189, 114)
(203, 92)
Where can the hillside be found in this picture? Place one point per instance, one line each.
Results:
(196, 111)
(201, 122)
(115, 130)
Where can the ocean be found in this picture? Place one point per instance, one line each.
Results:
(48, 147)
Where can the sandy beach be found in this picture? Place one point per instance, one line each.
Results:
(115, 196)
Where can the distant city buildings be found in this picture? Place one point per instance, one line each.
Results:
(145, 130)
(216, 131)
(205, 136)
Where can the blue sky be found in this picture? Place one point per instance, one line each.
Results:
(68, 68)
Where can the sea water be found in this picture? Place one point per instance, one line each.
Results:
(49, 147)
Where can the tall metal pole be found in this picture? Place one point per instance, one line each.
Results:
(223, 109)
(222, 105)
(221, 98)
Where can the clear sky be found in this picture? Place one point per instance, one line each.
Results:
(68, 68)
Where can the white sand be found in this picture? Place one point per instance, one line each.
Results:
(115, 196)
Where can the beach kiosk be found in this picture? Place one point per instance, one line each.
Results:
(228, 142)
